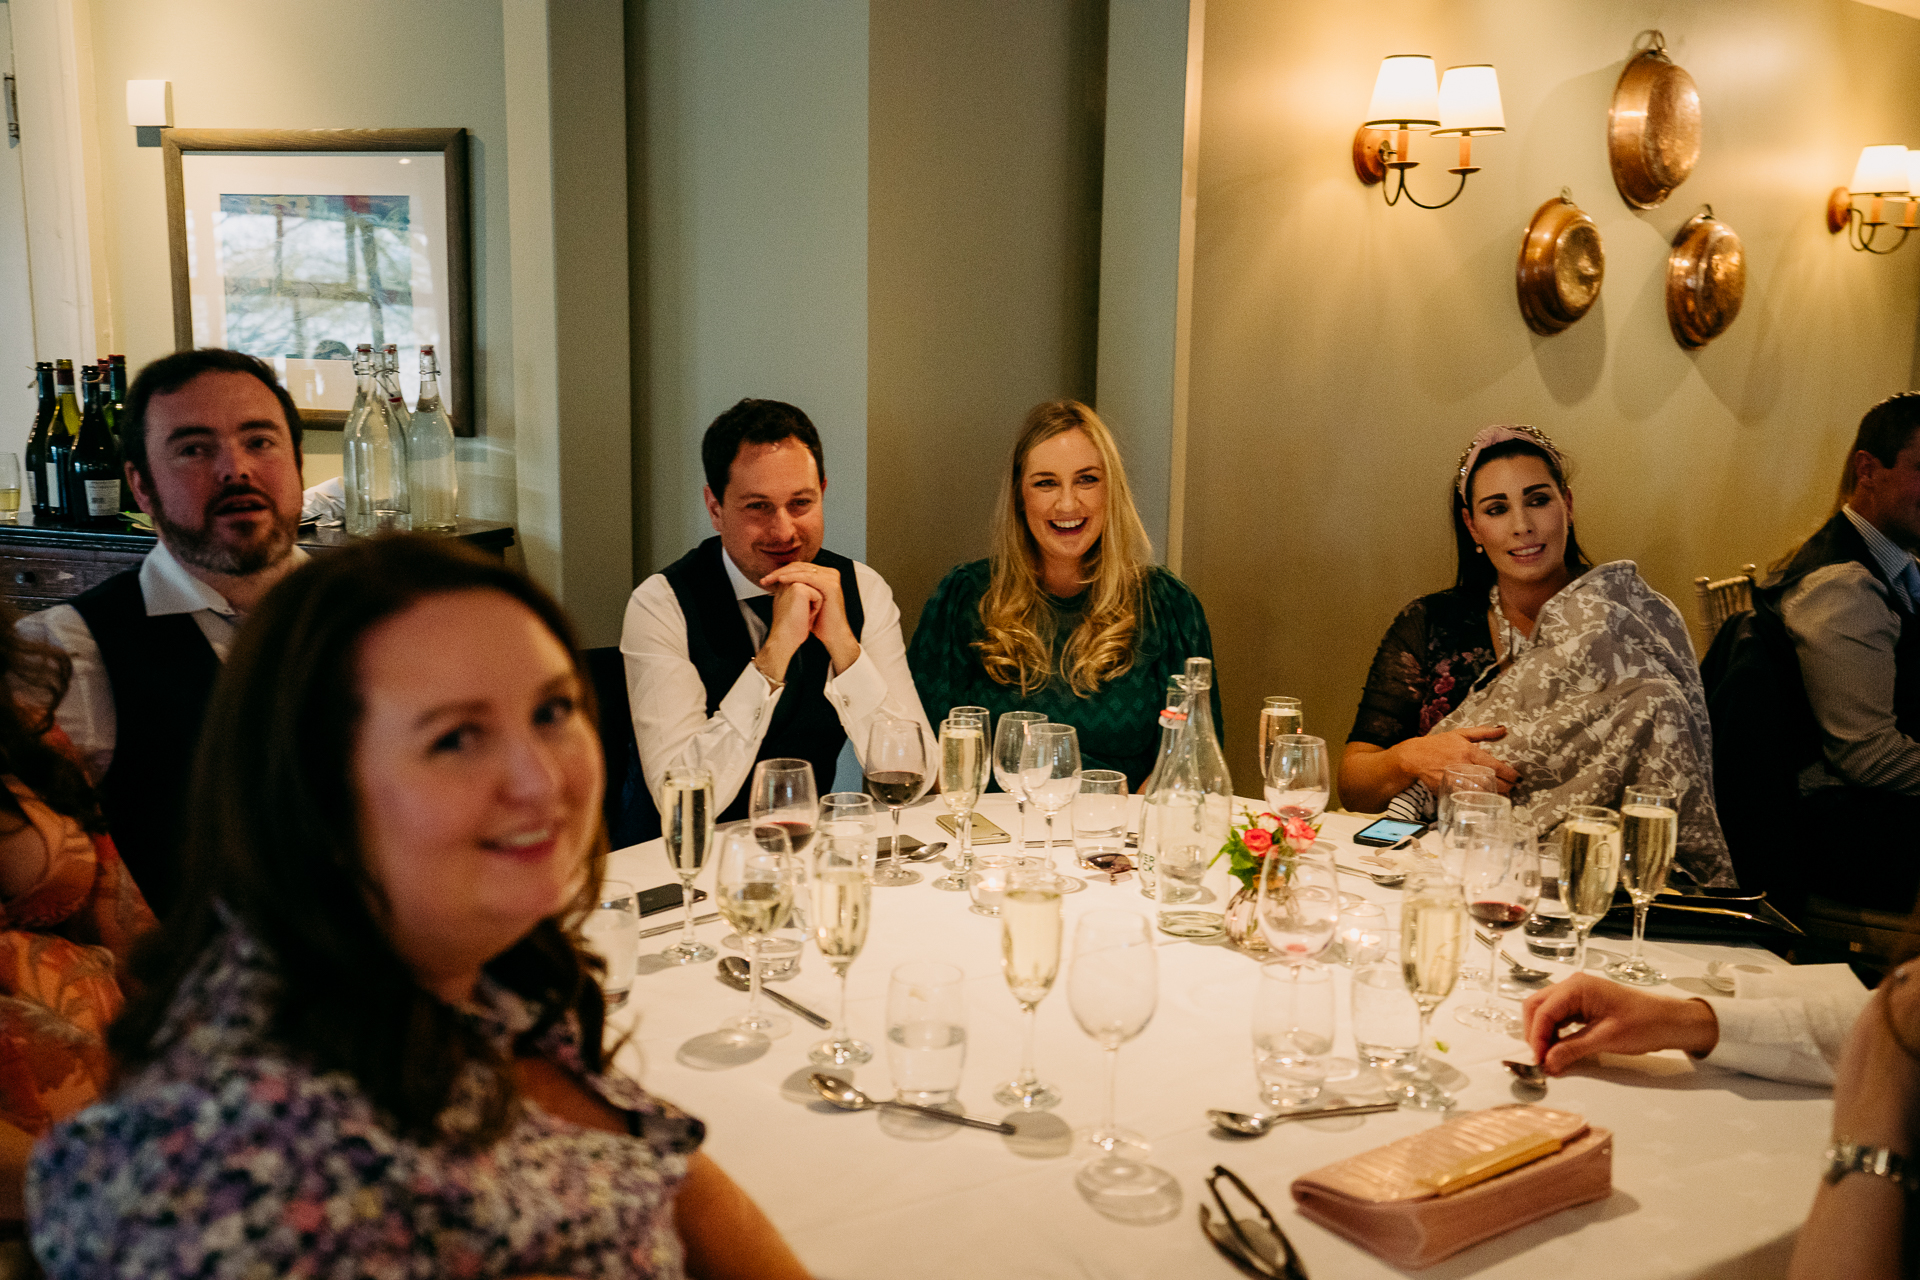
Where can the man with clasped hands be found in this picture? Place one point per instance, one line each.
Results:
(759, 643)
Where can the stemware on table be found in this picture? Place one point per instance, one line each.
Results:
(842, 880)
(1454, 780)
(1050, 776)
(1589, 869)
(1501, 880)
(1649, 833)
(781, 791)
(1433, 936)
(1279, 716)
(1298, 909)
(1030, 929)
(687, 825)
(1298, 779)
(965, 764)
(753, 887)
(1292, 1031)
(1009, 741)
(898, 774)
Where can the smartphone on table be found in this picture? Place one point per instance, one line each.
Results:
(1388, 832)
(664, 898)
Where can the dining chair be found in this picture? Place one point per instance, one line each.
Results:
(1721, 599)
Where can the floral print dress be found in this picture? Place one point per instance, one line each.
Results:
(228, 1159)
(1431, 658)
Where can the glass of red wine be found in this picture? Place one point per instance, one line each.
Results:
(783, 793)
(896, 767)
(1501, 876)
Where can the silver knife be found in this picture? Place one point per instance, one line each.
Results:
(796, 1007)
(659, 929)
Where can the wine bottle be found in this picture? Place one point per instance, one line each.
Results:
(36, 459)
(117, 419)
(432, 481)
(61, 434)
(95, 464)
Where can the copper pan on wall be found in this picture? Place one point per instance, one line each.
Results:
(1561, 266)
(1706, 279)
(1653, 127)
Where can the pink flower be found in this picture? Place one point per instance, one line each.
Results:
(1297, 833)
(1267, 822)
(1257, 841)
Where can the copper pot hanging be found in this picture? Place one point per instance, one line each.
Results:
(1706, 279)
(1561, 266)
(1653, 127)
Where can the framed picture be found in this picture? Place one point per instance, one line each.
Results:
(297, 245)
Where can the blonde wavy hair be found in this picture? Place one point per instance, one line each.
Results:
(1018, 621)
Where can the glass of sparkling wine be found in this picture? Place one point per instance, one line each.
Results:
(897, 776)
(926, 1032)
(1649, 830)
(1009, 740)
(754, 891)
(1280, 716)
(9, 487)
(1589, 869)
(688, 828)
(1030, 929)
(1050, 774)
(843, 853)
(964, 769)
(1433, 937)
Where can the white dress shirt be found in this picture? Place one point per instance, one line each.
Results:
(87, 712)
(670, 720)
(1789, 1023)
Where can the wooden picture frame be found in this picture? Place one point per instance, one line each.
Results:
(227, 187)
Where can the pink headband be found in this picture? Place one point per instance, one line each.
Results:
(1490, 436)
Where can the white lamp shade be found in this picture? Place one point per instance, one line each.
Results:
(1882, 171)
(1406, 95)
(1470, 101)
(149, 102)
(1913, 171)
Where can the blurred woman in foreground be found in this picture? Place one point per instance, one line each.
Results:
(370, 1042)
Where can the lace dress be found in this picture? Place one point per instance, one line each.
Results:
(1431, 658)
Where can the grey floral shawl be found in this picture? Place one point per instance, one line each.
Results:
(1606, 694)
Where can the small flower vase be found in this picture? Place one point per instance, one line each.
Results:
(1243, 922)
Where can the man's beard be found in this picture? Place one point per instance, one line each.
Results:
(203, 549)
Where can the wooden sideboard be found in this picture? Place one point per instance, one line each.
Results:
(42, 565)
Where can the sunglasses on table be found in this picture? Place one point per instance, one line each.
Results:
(1230, 1237)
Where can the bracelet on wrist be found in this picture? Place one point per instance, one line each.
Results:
(1845, 1157)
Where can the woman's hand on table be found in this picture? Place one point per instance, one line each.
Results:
(1370, 776)
(1614, 1019)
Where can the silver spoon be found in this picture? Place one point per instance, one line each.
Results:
(1253, 1126)
(1521, 973)
(843, 1095)
(1528, 1074)
(735, 973)
(1385, 879)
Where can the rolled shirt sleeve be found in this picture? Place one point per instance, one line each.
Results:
(1844, 633)
(1797, 1039)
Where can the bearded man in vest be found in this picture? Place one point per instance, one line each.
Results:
(211, 446)
(759, 643)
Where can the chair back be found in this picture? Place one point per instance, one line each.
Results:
(628, 805)
(1721, 599)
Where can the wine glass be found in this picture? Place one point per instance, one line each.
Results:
(1455, 779)
(1050, 775)
(1433, 936)
(897, 775)
(964, 767)
(1298, 904)
(1113, 988)
(754, 891)
(1292, 1031)
(1649, 830)
(782, 792)
(1501, 879)
(688, 828)
(980, 715)
(1009, 740)
(1298, 780)
(1279, 717)
(1589, 869)
(1030, 927)
(843, 854)
(1469, 811)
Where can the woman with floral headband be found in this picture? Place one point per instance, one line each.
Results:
(1570, 681)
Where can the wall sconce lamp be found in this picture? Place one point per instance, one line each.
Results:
(1406, 100)
(149, 110)
(1884, 171)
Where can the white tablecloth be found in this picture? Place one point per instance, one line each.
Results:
(1712, 1171)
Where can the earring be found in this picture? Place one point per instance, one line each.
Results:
(1479, 550)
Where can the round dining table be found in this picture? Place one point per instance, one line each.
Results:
(1713, 1171)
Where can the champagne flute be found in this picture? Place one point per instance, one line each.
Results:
(1050, 775)
(1501, 878)
(897, 776)
(754, 891)
(964, 769)
(1649, 830)
(1279, 717)
(1009, 740)
(1030, 928)
(1113, 989)
(689, 836)
(782, 792)
(843, 854)
(1433, 936)
(1589, 867)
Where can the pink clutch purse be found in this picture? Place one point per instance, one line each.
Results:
(1427, 1197)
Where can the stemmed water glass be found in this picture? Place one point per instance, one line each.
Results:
(964, 768)
(1050, 776)
(1030, 928)
(1501, 879)
(782, 792)
(688, 827)
(1589, 869)
(1298, 908)
(843, 853)
(1113, 989)
(1298, 782)
(754, 891)
(1009, 741)
(897, 776)
(1433, 936)
(1649, 831)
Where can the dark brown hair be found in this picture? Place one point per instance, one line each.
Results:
(39, 675)
(171, 372)
(273, 837)
(755, 422)
(1475, 572)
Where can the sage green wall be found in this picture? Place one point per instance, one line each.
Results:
(1344, 352)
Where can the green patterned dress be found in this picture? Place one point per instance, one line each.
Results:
(1119, 725)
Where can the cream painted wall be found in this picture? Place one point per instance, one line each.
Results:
(1343, 352)
(284, 65)
(983, 260)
